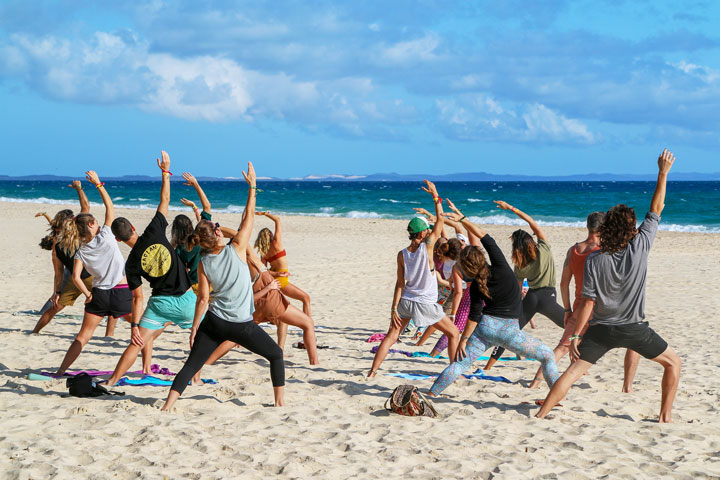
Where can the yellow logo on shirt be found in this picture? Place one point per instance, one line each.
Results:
(156, 260)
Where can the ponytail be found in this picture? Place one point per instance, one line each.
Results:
(204, 236)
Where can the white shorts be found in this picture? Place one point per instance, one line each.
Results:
(423, 314)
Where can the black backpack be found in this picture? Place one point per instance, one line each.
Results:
(82, 385)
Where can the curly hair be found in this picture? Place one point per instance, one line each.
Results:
(56, 227)
(472, 262)
(263, 241)
(524, 248)
(617, 229)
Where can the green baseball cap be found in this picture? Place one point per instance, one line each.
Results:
(417, 225)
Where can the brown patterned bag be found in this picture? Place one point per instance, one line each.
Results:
(407, 400)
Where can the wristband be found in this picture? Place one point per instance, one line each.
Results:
(136, 325)
(513, 209)
(101, 184)
(195, 207)
(463, 218)
(463, 337)
(575, 337)
(437, 199)
(568, 310)
(393, 310)
(167, 172)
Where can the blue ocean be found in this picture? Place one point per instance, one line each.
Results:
(690, 206)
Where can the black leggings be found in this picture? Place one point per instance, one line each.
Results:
(538, 300)
(213, 331)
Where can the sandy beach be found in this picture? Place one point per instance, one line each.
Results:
(334, 424)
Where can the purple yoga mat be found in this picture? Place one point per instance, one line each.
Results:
(154, 368)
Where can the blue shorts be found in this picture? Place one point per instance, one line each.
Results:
(166, 308)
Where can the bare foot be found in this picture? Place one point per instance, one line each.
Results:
(665, 418)
(627, 389)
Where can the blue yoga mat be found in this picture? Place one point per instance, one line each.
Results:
(150, 380)
(477, 374)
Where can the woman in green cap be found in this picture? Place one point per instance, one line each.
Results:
(415, 294)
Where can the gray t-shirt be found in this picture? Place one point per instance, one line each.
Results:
(102, 258)
(231, 297)
(617, 281)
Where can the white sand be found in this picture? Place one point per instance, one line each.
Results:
(334, 425)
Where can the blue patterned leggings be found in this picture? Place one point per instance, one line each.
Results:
(506, 333)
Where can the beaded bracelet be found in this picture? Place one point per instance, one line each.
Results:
(575, 337)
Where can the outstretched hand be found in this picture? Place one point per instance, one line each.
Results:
(429, 215)
(76, 184)
(453, 207)
(455, 217)
(189, 179)
(188, 203)
(503, 205)
(665, 161)
(250, 175)
(92, 177)
(430, 188)
(39, 214)
(164, 164)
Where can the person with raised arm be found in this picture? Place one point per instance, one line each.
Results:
(63, 250)
(613, 299)
(272, 306)
(495, 308)
(270, 247)
(182, 230)
(534, 261)
(415, 293)
(573, 268)
(99, 254)
(229, 314)
(153, 258)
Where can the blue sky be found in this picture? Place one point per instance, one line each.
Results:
(321, 87)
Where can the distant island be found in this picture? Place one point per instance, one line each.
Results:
(396, 177)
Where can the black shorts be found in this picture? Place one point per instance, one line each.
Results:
(115, 302)
(599, 339)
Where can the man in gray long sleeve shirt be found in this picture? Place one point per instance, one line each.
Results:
(614, 295)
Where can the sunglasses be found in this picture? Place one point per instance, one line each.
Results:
(217, 225)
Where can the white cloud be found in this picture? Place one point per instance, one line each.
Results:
(118, 68)
(410, 52)
(482, 118)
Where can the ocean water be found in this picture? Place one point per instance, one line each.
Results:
(690, 206)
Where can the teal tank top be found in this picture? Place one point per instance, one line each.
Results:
(232, 297)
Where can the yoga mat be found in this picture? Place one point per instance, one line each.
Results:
(477, 374)
(36, 377)
(423, 354)
(150, 380)
(154, 368)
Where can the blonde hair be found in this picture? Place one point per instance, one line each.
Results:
(75, 232)
(263, 241)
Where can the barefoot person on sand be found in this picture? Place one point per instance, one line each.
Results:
(229, 311)
(100, 255)
(534, 261)
(495, 307)
(613, 299)
(153, 258)
(415, 294)
(272, 306)
(63, 250)
(574, 268)
(269, 246)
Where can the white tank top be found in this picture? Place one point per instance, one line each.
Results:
(420, 281)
